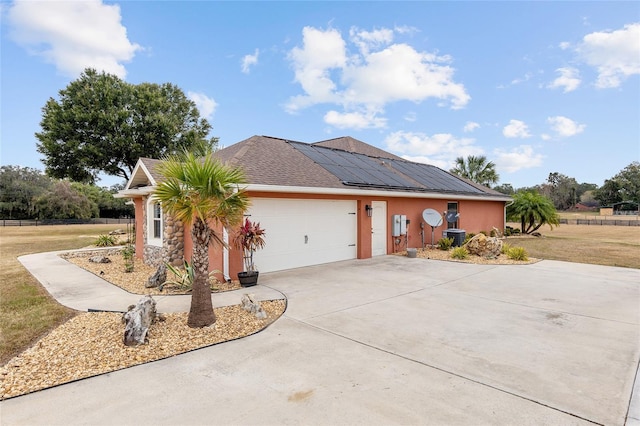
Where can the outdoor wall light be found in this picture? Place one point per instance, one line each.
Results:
(368, 209)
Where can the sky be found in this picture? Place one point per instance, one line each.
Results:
(535, 87)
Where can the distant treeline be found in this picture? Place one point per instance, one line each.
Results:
(26, 193)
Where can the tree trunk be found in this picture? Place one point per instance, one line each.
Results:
(138, 320)
(201, 312)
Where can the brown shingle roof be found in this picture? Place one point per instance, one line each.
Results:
(280, 162)
(272, 161)
(347, 143)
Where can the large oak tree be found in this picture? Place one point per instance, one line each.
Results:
(102, 124)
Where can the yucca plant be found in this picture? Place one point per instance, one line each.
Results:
(517, 253)
(105, 241)
(445, 243)
(184, 277)
(460, 253)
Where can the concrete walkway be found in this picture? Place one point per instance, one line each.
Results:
(389, 340)
(82, 290)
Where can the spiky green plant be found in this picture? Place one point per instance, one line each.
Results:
(517, 253)
(445, 243)
(105, 241)
(460, 253)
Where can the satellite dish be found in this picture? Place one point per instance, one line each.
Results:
(432, 217)
(452, 217)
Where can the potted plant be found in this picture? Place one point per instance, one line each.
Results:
(249, 238)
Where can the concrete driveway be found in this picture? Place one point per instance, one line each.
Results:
(393, 340)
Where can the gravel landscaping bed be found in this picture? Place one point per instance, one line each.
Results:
(91, 343)
(133, 282)
(437, 254)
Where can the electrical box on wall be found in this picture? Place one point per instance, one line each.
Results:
(398, 225)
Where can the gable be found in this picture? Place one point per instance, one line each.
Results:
(347, 143)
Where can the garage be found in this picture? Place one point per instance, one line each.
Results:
(304, 232)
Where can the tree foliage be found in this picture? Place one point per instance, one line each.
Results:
(532, 210)
(103, 124)
(203, 193)
(104, 203)
(477, 169)
(19, 187)
(64, 202)
(624, 186)
(505, 188)
(24, 193)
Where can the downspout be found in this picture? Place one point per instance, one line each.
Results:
(504, 225)
(225, 255)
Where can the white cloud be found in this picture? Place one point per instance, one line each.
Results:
(206, 105)
(564, 45)
(521, 157)
(410, 117)
(470, 126)
(354, 120)
(569, 79)
(564, 126)
(249, 60)
(516, 129)
(613, 53)
(73, 35)
(367, 40)
(439, 150)
(374, 74)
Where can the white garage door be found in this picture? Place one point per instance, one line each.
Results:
(304, 232)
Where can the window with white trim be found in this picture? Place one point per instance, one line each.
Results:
(155, 225)
(157, 221)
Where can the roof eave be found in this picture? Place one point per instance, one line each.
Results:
(372, 193)
(135, 192)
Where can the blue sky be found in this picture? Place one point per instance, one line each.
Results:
(536, 87)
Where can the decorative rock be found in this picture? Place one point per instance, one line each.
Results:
(158, 277)
(249, 305)
(138, 320)
(484, 246)
(117, 232)
(99, 259)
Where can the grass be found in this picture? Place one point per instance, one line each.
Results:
(598, 245)
(27, 311)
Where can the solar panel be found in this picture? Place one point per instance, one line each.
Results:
(432, 177)
(361, 170)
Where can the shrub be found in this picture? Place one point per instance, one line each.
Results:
(459, 253)
(505, 248)
(517, 253)
(469, 236)
(445, 243)
(106, 241)
(127, 255)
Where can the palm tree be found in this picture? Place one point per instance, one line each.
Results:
(205, 194)
(532, 210)
(476, 169)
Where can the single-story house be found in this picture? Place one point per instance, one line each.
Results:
(322, 202)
